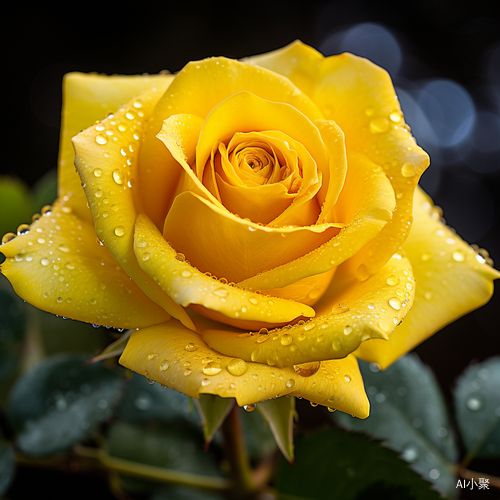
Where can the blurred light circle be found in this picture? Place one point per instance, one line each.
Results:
(450, 111)
(486, 133)
(369, 40)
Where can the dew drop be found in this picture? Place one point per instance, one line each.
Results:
(290, 383)
(379, 125)
(7, 237)
(164, 365)
(118, 176)
(475, 403)
(119, 230)
(205, 382)
(340, 308)
(410, 453)
(347, 378)
(212, 368)
(187, 372)
(63, 248)
(392, 280)
(237, 367)
(253, 301)
(221, 292)
(44, 262)
(186, 274)
(286, 339)
(371, 306)
(97, 172)
(250, 408)
(307, 369)
(191, 347)
(458, 256)
(395, 303)
(395, 116)
(347, 330)
(23, 229)
(100, 139)
(408, 170)
(150, 381)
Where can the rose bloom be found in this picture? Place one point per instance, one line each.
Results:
(259, 226)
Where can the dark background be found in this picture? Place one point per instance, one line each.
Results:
(444, 57)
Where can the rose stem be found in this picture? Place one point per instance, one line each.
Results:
(236, 452)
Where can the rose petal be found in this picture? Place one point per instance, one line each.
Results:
(187, 285)
(452, 279)
(349, 313)
(177, 357)
(107, 165)
(365, 207)
(361, 99)
(59, 267)
(87, 98)
(232, 248)
(197, 89)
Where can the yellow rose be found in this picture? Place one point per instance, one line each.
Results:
(259, 225)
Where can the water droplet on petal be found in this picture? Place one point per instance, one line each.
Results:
(205, 382)
(395, 303)
(250, 408)
(164, 365)
(362, 273)
(307, 369)
(286, 339)
(211, 368)
(97, 172)
(408, 170)
(458, 256)
(253, 301)
(100, 139)
(392, 280)
(347, 378)
(379, 125)
(118, 177)
(44, 262)
(340, 308)
(290, 383)
(119, 230)
(237, 367)
(347, 330)
(221, 292)
(191, 347)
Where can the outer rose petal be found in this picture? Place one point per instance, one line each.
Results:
(451, 280)
(361, 99)
(107, 165)
(59, 267)
(187, 285)
(349, 313)
(177, 357)
(87, 98)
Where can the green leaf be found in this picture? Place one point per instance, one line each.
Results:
(409, 414)
(176, 447)
(112, 350)
(61, 402)
(280, 414)
(7, 466)
(12, 332)
(338, 464)
(213, 411)
(16, 205)
(477, 405)
(45, 190)
(144, 402)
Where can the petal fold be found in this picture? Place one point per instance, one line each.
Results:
(350, 312)
(178, 358)
(187, 285)
(452, 279)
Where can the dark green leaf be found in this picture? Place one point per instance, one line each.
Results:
(12, 332)
(409, 414)
(7, 466)
(339, 464)
(16, 206)
(280, 414)
(61, 402)
(477, 404)
(213, 411)
(144, 402)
